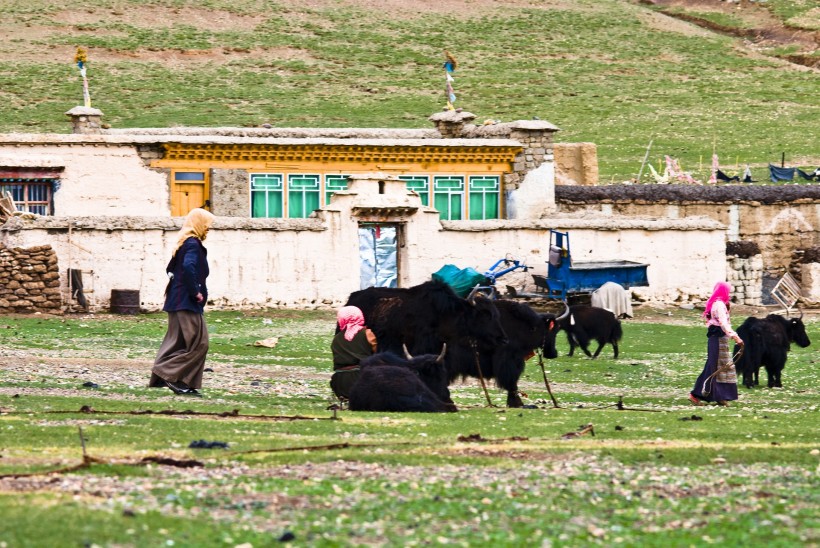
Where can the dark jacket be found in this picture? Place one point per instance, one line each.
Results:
(190, 268)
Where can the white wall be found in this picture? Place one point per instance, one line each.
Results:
(309, 263)
(99, 179)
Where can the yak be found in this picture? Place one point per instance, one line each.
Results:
(587, 323)
(527, 331)
(425, 316)
(767, 343)
(387, 382)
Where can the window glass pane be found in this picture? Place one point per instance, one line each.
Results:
(189, 176)
(31, 197)
(484, 198)
(420, 184)
(17, 192)
(303, 195)
(334, 183)
(448, 196)
(267, 195)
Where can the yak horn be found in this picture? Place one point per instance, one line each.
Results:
(440, 358)
(471, 296)
(801, 312)
(407, 353)
(565, 313)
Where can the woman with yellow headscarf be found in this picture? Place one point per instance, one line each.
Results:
(181, 357)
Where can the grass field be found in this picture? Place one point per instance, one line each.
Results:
(658, 473)
(617, 73)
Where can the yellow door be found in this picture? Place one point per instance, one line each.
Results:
(189, 189)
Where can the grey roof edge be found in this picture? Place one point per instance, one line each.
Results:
(30, 139)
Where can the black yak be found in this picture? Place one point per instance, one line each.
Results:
(767, 342)
(527, 331)
(387, 382)
(425, 316)
(587, 323)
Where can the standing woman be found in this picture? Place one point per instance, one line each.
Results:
(718, 381)
(181, 357)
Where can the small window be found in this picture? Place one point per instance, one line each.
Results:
(303, 195)
(267, 195)
(189, 176)
(484, 198)
(29, 195)
(420, 184)
(448, 197)
(333, 184)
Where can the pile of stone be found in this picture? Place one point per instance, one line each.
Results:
(29, 280)
(744, 270)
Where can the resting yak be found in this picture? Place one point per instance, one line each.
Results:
(588, 323)
(527, 331)
(387, 382)
(767, 342)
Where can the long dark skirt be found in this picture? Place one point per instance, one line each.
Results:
(181, 355)
(718, 391)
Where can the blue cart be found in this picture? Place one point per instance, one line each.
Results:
(566, 277)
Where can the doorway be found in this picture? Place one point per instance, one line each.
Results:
(378, 254)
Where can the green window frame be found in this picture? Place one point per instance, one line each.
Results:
(304, 194)
(484, 197)
(333, 184)
(448, 196)
(419, 184)
(267, 195)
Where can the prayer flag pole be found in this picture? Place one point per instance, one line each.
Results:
(81, 58)
(450, 65)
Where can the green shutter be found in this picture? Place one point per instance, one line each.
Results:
(333, 184)
(303, 195)
(448, 197)
(419, 184)
(484, 198)
(267, 195)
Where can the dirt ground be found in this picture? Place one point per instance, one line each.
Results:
(764, 31)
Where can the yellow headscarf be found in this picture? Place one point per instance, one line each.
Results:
(196, 224)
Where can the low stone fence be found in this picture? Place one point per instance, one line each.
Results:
(29, 280)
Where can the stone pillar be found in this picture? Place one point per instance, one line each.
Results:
(85, 120)
(536, 136)
(450, 123)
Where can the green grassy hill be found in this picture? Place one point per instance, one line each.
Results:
(615, 72)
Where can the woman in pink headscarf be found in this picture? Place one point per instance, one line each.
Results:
(718, 381)
(350, 345)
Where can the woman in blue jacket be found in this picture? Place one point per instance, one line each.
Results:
(181, 357)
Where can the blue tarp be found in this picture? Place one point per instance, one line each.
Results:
(778, 174)
(462, 280)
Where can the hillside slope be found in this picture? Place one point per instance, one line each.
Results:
(615, 72)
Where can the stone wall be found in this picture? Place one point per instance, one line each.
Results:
(29, 280)
(230, 192)
(779, 219)
(746, 276)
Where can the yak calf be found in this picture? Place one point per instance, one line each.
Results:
(588, 323)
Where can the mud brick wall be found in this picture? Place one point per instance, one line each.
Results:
(29, 280)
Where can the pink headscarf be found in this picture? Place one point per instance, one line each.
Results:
(719, 293)
(351, 321)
